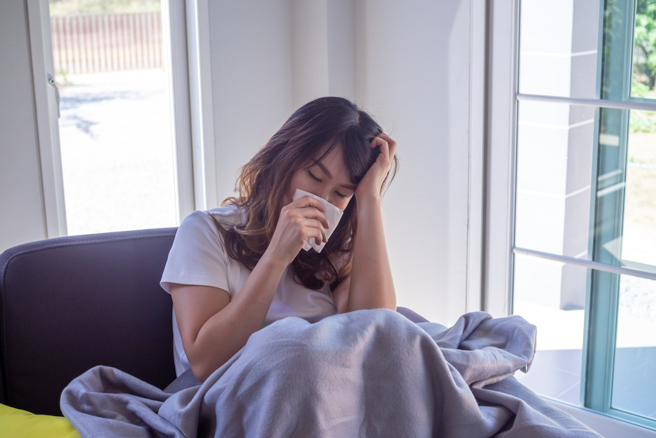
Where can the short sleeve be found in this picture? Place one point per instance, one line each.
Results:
(197, 256)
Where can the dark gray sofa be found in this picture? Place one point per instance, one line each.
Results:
(68, 304)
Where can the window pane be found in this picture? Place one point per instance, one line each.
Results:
(644, 50)
(558, 48)
(541, 287)
(615, 64)
(634, 385)
(586, 188)
(554, 165)
(639, 237)
(115, 125)
(626, 189)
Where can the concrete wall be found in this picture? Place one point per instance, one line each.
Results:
(22, 217)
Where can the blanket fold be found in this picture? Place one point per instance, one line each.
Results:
(364, 373)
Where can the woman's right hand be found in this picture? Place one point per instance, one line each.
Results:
(299, 221)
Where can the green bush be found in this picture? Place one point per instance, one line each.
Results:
(642, 122)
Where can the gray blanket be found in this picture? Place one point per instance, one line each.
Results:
(365, 373)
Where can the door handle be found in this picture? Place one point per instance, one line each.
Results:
(51, 81)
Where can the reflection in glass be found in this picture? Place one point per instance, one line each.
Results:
(615, 74)
(639, 236)
(610, 182)
(626, 191)
(558, 48)
(635, 355)
(554, 163)
(586, 188)
(644, 50)
(538, 298)
(556, 369)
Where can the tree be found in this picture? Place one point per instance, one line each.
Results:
(645, 40)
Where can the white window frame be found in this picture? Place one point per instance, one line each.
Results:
(498, 241)
(476, 189)
(45, 100)
(174, 30)
(186, 47)
(201, 99)
(500, 165)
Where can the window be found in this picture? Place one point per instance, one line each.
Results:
(100, 42)
(115, 126)
(584, 254)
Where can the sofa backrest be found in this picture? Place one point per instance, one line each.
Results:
(68, 304)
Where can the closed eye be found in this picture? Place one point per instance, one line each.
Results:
(317, 179)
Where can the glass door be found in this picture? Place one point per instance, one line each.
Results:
(622, 308)
(115, 126)
(585, 236)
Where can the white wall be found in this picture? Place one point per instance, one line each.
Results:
(413, 75)
(22, 217)
(405, 63)
(251, 45)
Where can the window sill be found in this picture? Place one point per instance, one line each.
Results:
(607, 426)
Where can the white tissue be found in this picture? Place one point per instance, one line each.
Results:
(333, 214)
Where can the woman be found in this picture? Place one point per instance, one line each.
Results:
(239, 267)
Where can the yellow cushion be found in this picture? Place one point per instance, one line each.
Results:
(22, 424)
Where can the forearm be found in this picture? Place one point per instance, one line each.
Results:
(227, 331)
(371, 285)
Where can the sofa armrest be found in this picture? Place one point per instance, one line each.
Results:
(68, 304)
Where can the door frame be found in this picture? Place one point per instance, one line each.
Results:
(190, 151)
(47, 129)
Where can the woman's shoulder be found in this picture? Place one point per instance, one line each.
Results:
(229, 213)
(206, 222)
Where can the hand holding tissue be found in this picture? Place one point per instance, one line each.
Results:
(333, 214)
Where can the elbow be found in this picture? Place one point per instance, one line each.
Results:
(203, 367)
(199, 367)
(201, 371)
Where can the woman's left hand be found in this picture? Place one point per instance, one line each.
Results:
(373, 180)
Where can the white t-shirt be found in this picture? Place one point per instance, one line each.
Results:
(197, 257)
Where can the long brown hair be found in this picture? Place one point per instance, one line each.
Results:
(318, 126)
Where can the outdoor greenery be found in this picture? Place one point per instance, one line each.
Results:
(644, 64)
(60, 8)
(643, 122)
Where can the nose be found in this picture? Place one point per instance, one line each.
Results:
(325, 194)
(322, 193)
